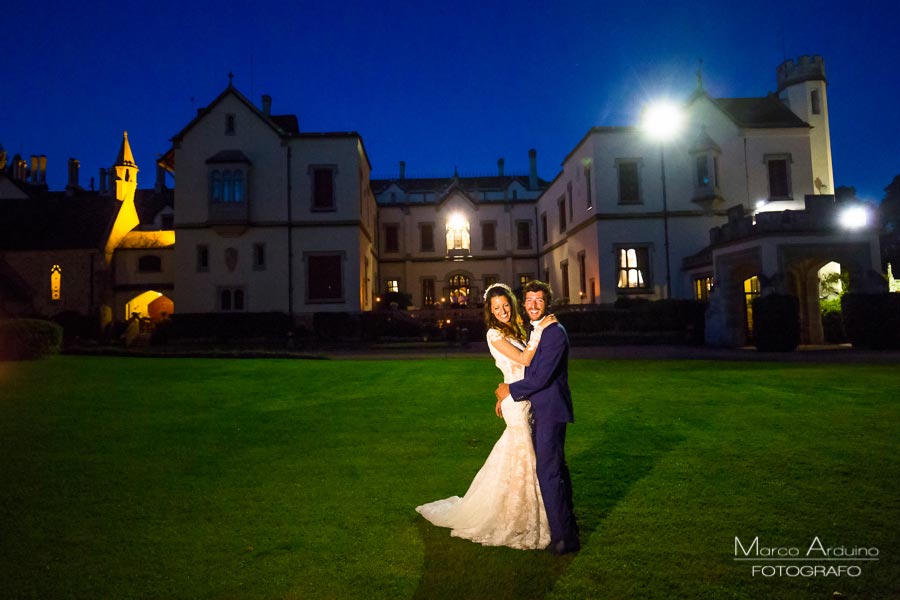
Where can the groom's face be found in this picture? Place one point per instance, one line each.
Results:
(535, 305)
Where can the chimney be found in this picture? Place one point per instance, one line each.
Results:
(160, 179)
(500, 163)
(34, 169)
(532, 169)
(42, 167)
(102, 181)
(402, 169)
(2, 158)
(73, 173)
(267, 105)
(21, 168)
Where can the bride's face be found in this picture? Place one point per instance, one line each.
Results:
(500, 309)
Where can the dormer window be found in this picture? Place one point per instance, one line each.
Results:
(229, 124)
(458, 240)
(226, 185)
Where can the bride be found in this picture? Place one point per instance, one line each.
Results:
(503, 506)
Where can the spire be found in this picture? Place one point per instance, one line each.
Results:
(125, 158)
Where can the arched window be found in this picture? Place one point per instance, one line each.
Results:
(459, 290)
(215, 186)
(55, 282)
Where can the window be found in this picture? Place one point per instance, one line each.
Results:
(569, 196)
(523, 234)
(458, 239)
(391, 238)
(149, 264)
(393, 286)
(55, 282)
(702, 287)
(564, 276)
(561, 205)
(226, 186)
(524, 278)
(323, 188)
(582, 275)
(202, 258)
(229, 124)
(459, 290)
(544, 238)
(259, 257)
(751, 291)
(426, 237)
(815, 103)
(324, 277)
(231, 299)
(779, 176)
(488, 236)
(702, 164)
(428, 292)
(587, 186)
(629, 184)
(633, 268)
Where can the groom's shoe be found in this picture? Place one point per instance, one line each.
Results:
(561, 547)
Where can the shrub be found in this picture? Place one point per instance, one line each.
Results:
(227, 326)
(872, 320)
(832, 321)
(662, 319)
(29, 339)
(776, 323)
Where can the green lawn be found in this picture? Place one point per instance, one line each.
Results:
(203, 478)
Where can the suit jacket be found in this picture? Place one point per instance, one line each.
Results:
(546, 381)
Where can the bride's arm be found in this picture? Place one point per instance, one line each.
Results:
(522, 357)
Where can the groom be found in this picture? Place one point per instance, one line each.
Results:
(546, 384)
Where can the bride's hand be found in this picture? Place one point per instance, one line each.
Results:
(547, 321)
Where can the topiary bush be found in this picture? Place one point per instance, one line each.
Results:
(872, 320)
(776, 323)
(29, 339)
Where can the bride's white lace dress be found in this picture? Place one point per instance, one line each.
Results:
(503, 506)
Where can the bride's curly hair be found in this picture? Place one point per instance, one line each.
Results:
(514, 328)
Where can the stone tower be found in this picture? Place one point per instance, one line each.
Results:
(801, 86)
(123, 186)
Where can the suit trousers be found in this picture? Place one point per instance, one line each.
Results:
(556, 487)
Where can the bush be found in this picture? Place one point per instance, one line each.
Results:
(227, 326)
(683, 319)
(29, 339)
(872, 320)
(832, 321)
(776, 323)
(77, 326)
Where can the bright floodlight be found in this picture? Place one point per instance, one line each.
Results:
(663, 120)
(854, 217)
(457, 221)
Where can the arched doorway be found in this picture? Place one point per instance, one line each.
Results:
(151, 305)
(459, 290)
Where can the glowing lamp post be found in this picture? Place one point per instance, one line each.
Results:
(662, 121)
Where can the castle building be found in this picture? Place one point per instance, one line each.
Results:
(270, 218)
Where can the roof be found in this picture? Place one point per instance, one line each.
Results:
(57, 221)
(768, 112)
(149, 203)
(422, 185)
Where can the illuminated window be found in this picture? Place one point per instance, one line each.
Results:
(629, 182)
(458, 233)
(393, 285)
(523, 279)
(55, 282)
(633, 267)
(702, 287)
(751, 291)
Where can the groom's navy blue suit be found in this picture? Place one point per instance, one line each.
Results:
(546, 384)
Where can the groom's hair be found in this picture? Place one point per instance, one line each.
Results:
(539, 286)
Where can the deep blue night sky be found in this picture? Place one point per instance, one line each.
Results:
(439, 85)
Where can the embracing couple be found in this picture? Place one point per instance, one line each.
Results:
(522, 496)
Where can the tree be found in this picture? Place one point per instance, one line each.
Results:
(889, 216)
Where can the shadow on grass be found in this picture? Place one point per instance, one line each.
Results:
(456, 568)
(622, 452)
